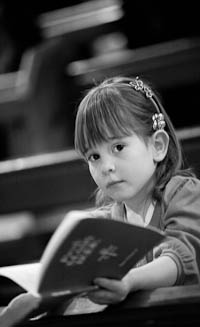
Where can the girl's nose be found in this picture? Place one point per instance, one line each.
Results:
(108, 167)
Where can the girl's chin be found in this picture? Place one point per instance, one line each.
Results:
(119, 197)
(120, 194)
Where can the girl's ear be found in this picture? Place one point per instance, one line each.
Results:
(160, 142)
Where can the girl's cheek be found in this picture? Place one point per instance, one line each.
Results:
(91, 169)
(96, 177)
(93, 172)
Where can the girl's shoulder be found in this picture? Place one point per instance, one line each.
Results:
(182, 186)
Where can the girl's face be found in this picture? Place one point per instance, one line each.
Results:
(123, 168)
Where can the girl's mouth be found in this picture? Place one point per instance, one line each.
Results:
(113, 183)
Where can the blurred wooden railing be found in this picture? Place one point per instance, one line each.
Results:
(88, 16)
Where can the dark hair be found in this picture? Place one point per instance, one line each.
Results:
(116, 108)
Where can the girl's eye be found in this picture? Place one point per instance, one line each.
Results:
(118, 147)
(93, 157)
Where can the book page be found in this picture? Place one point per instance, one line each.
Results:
(25, 275)
(82, 305)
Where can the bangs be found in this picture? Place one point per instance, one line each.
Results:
(102, 118)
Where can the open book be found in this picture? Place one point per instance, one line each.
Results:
(80, 250)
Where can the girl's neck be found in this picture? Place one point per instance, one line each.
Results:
(140, 209)
(140, 203)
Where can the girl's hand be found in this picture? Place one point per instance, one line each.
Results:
(161, 272)
(110, 291)
(18, 309)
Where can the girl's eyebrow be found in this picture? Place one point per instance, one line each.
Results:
(111, 138)
(116, 139)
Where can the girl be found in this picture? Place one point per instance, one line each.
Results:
(129, 142)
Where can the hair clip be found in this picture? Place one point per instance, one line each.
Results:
(138, 85)
(158, 121)
(158, 118)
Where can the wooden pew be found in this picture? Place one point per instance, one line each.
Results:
(170, 306)
(39, 91)
(173, 67)
(167, 64)
(44, 182)
(31, 98)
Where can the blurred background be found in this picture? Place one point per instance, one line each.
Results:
(50, 53)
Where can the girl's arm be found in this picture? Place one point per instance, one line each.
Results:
(161, 272)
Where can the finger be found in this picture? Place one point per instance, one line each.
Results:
(108, 284)
(102, 297)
